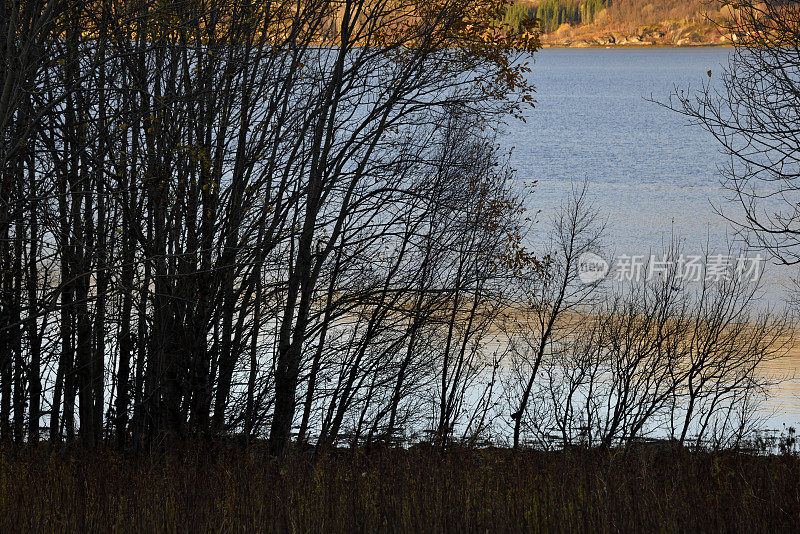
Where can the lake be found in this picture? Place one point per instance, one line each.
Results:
(650, 173)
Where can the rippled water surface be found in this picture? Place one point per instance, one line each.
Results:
(650, 173)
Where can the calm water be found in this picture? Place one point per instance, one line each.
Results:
(649, 172)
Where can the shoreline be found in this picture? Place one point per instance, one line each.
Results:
(666, 33)
(634, 46)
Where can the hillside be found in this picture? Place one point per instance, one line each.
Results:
(584, 23)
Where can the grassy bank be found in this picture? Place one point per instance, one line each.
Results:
(418, 490)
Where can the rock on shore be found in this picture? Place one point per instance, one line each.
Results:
(667, 33)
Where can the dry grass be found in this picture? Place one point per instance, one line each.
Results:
(495, 490)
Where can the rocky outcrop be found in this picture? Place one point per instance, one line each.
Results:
(667, 33)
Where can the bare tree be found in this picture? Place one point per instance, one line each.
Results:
(194, 195)
(663, 356)
(751, 109)
(550, 307)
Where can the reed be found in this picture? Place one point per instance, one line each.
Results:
(649, 488)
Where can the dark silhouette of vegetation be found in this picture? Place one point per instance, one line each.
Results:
(225, 217)
(420, 490)
(602, 366)
(263, 266)
(291, 221)
(751, 109)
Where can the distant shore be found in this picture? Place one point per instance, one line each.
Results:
(584, 44)
(666, 34)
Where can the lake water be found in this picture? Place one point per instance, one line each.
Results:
(649, 172)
